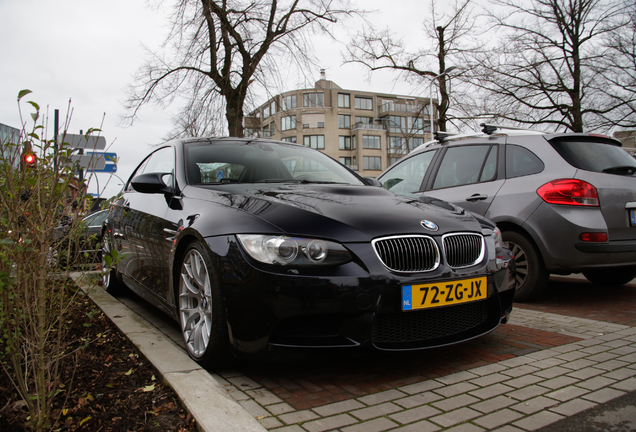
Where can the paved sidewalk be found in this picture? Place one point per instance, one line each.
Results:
(572, 364)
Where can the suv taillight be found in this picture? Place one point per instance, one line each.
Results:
(569, 192)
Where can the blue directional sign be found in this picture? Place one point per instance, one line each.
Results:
(110, 157)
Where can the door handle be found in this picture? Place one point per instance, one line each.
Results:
(476, 197)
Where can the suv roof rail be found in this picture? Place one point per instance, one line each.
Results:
(489, 129)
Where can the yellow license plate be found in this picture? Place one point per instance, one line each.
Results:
(443, 293)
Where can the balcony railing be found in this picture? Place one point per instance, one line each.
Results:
(367, 126)
(404, 108)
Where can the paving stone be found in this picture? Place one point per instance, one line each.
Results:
(489, 379)
(579, 364)
(253, 408)
(602, 357)
(611, 365)
(243, 383)
(596, 383)
(338, 407)
(524, 381)
(620, 374)
(604, 395)
(376, 411)
(509, 428)
(239, 395)
(528, 392)
(491, 391)
(548, 363)
(572, 407)
(559, 382)
(293, 428)
(381, 397)
(453, 417)
(421, 387)
(456, 389)
(298, 417)
(270, 423)
(421, 426)
(498, 418)
(263, 397)
(453, 403)
(545, 354)
(418, 399)
(629, 358)
(377, 425)
(538, 420)
(552, 372)
(488, 369)
(627, 385)
(596, 349)
(567, 393)
(520, 371)
(415, 414)
(572, 355)
(456, 377)
(533, 405)
(517, 361)
(278, 409)
(329, 423)
(585, 373)
(493, 404)
(466, 427)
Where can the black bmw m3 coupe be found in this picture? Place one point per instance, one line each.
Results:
(251, 244)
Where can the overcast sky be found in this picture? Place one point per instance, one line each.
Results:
(87, 51)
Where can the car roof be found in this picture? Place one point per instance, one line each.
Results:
(490, 130)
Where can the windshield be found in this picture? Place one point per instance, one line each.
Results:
(595, 156)
(261, 162)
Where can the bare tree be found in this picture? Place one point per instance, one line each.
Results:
(450, 37)
(545, 69)
(217, 50)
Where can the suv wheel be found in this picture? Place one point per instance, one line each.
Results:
(532, 276)
(611, 276)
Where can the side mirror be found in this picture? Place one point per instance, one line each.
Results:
(151, 183)
(372, 182)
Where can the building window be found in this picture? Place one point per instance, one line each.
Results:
(266, 112)
(344, 142)
(416, 142)
(364, 103)
(344, 121)
(314, 141)
(371, 142)
(272, 107)
(397, 124)
(397, 142)
(372, 163)
(313, 100)
(291, 139)
(416, 125)
(269, 130)
(344, 100)
(287, 123)
(364, 120)
(321, 124)
(289, 102)
(346, 161)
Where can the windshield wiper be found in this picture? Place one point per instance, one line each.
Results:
(621, 169)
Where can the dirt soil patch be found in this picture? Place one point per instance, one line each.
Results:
(108, 385)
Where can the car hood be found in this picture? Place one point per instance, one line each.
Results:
(341, 212)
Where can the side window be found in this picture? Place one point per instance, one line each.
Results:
(408, 175)
(521, 162)
(466, 165)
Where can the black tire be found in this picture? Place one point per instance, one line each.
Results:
(612, 277)
(532, 276)
(111, 279)
(201, 309)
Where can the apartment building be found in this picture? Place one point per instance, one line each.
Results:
(363, 130)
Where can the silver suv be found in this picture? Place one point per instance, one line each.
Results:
(565, 203)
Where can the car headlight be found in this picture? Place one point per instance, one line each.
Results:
(296, 251)
(499, 244)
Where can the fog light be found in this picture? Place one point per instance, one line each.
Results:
(595, 237)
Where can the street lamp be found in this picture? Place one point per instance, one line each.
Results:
(431, 95)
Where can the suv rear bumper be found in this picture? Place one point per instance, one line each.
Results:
(611, 247)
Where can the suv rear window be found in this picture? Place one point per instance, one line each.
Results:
(595, 156)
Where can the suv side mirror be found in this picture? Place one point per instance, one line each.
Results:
(372, 182)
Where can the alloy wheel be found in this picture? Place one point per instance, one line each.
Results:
(195, 303)
(521, 262)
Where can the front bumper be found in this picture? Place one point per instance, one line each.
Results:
(351, 305)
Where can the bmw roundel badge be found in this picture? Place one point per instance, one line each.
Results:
(431, 226)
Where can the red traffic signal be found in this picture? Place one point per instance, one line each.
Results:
(29, 160)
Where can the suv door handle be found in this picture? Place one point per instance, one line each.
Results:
(476, 197)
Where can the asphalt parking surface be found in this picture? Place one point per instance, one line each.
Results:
(567, 362)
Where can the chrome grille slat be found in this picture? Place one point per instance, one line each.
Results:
(408, 254)
(463, 249)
